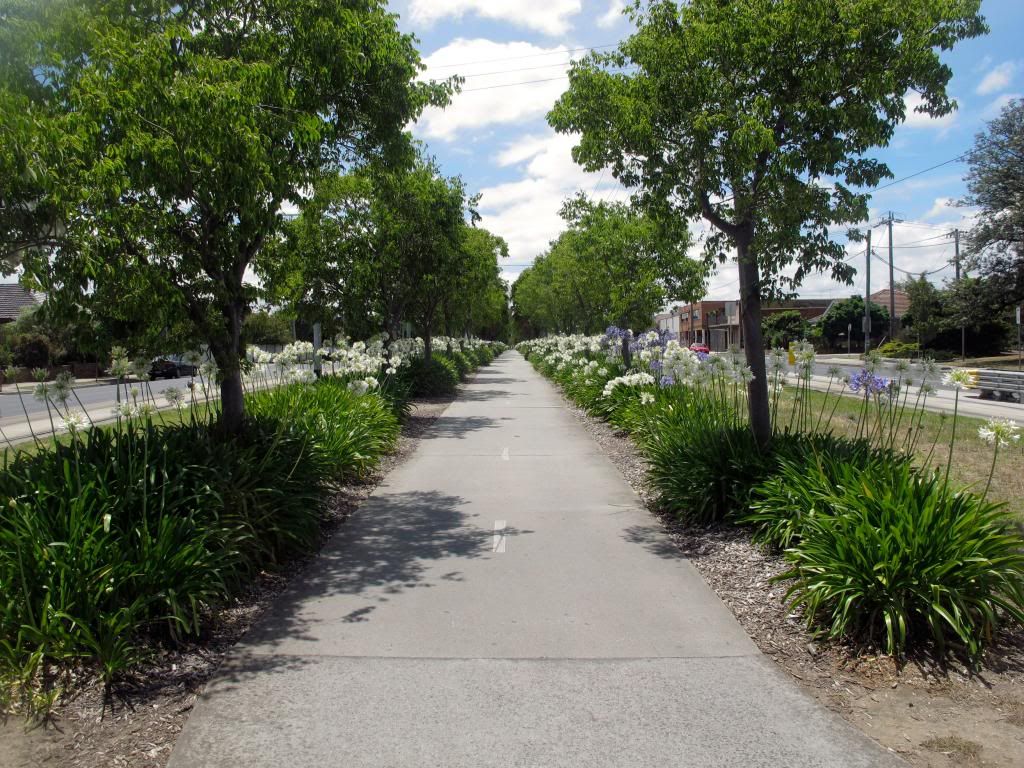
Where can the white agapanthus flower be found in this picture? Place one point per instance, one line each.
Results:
(1001, 432)
(74, 421)
(959, 378)
(174, 397)
(629, 380)
(646, 398)
(123, 410)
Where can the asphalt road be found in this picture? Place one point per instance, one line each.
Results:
(93, 396)
(504, 599)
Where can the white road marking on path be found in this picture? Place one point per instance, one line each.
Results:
(504, 453)
(498, 544)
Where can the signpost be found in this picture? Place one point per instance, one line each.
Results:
(1019, 348)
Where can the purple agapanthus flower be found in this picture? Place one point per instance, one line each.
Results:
(702, 356)
(655, 365)
(869, 382)
(667, 381)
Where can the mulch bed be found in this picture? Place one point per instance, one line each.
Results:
(138, 726)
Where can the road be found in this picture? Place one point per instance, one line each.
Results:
(92, 396)
(943, 400)
(97, 401)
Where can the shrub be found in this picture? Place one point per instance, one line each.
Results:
(903, 349)
(32, 350)
(895, 557)
(483, 353)
(462, 363)
(137, 529)
(804, 470)
(348, 433)
(702, 462)
(435, 378)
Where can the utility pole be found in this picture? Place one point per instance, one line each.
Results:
(867, 299)
(956, 262)
(892, 281)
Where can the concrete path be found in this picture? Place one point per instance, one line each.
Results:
(505, 600)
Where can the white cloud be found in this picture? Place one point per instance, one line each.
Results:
(525, 212)
(613, 15)
(492, 94)
(916, 119)
(941, 207)
(548, 16)
(994, 107)
(998, 78)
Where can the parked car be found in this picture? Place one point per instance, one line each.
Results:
(699, 347)
(171, 368)
(163, 368)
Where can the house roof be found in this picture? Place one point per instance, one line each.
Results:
(14, 298)
(901, 301)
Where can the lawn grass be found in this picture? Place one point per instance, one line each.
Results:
(972, 458)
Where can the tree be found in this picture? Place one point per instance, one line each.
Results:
(613, 265)
(924, 318)
(265, 327)
(478, 305)
(843, 315)
(187, 126)
(995, 183)
(376, 247)
(756, 115)
(781, 328)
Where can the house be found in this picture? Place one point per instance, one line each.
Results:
(695, 321)
(668, 321)
(719, 324)
(897, 299)
(14, 299)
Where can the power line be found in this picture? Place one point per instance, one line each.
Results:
(520, 69)
(906, 271)
(524, 82)
(527, 56)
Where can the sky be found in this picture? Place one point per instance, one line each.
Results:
(514, 55)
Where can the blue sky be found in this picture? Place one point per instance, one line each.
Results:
(497, 139)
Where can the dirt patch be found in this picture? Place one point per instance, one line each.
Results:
(934, 717)
(138, 728)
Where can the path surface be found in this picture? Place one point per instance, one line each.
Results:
(505, 600)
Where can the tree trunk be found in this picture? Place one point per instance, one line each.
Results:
(428, 345)
(627, 355)
(232, 402)
(228, 359)
(750, 311)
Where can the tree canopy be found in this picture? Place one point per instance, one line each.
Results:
(845, 313)
(384, 245)
(995, 183)
(757, 115)
(175, 133)
(613, 265)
